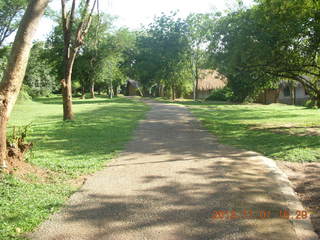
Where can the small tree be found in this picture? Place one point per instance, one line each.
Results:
(72, 42)
(12, 79)
(198, 27)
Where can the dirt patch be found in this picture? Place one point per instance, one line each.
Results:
(28, 171)
(78, 182)
(305, 179)
(290, 129)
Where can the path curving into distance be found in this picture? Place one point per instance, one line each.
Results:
(167, 184)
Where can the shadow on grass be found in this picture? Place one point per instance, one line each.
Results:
(83, 145)
(167, 184)
(231, 127)
(97, 100)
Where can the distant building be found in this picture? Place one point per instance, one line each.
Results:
(286, 93)
(210, 80)
(133, 88)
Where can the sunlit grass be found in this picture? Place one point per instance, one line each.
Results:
(249, 126)
(69, 149)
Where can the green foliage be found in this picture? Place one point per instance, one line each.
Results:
(39, 74)
(223, 94)
(55, 48)
(198, 28)
(24, 95)
(11, 12)
(162, 54)
(273, 40)
(104, 58)
(4, 55)
(310, 104)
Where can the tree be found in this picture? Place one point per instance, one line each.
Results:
(162, 55)
(13, 76)
(231, 48)
(39, 75)
(73, 39)
(11, 12)
(273, 40)
(198, 28)
(119, 49)
(93, 52)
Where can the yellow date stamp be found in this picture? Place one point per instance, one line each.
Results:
(258, 214)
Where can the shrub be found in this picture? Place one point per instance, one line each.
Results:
(24, 95)
(310, 104)
(223, 94)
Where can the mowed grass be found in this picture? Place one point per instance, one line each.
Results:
(278, 131)
(69, 149)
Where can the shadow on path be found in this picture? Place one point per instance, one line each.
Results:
(167, 184)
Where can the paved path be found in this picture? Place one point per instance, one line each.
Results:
(166, 185)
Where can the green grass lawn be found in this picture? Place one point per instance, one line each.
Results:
(278, 131)
(69, 149)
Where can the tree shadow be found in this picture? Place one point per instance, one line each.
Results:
(86, 143)
(97, 100)
(165, 206)
(167, 184)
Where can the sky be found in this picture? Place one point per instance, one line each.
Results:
(134, 13)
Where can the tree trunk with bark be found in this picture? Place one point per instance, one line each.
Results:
(161, 90)
(315, 99)
(15, 71)
(66, 83)
(173, 94)
(115, 90)
(92, 90)
(83, 93)
(71, 47)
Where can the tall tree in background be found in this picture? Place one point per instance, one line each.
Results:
(198, 26)
(72, 42)
(271, 41)
(162, 55)
(93, 50)
(11, 12)
(14, 74)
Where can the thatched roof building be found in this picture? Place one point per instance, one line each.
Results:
(133, 88)
(210, 80)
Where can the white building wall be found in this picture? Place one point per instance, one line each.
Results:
(300, 92)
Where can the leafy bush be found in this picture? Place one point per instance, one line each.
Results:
(223, 94)
(24, 94)
(310, 104)
(39, 92)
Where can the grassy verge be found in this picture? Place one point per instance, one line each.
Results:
(67, 149)
(283, 132)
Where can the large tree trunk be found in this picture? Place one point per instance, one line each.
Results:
(71, 46)
(14, 74)
(66, 83)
